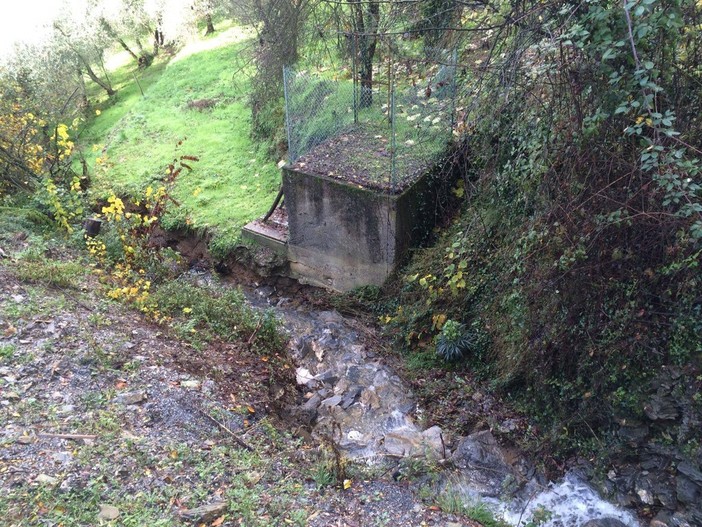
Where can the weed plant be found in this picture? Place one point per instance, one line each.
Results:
(203, 314)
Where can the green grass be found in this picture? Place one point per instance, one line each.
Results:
(232, 183)
(221, 466)
(202, 314)
(453, 502)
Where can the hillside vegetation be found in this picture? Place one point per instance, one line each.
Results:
(195, 106)
(565, 273)
(571, 275)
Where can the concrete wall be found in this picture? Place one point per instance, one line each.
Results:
(342, 236)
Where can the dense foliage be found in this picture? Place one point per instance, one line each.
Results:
(576, 259)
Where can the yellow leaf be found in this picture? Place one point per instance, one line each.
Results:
(347, 484)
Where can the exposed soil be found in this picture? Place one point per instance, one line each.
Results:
(105, 413)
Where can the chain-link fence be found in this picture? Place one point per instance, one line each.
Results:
(380, 135)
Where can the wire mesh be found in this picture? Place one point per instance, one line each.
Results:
(381, 134)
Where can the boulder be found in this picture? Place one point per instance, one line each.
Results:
(605, 522)
(483, 464)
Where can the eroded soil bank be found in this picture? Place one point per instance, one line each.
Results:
(106, 418)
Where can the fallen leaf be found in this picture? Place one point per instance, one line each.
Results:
(219, 521)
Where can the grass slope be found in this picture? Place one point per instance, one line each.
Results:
(138, 136)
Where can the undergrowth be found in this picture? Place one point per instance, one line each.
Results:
(575, 263)
(138, 272)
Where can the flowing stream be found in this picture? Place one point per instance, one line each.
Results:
(356, 398)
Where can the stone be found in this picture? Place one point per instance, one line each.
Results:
(691, 472)
(645, 495)
(108, 512)
(341, 386)
(657, 523)
(313, 402)
(318, 351)
(403, 442)
(370, 398)
(406, 408)
(507, 426)
(332, 401)
(46, 479)
(303, 376)
(303, 416)
(66, 409)
(408, 441)
(483, 464)
(128, 398)
(661, 407)
(687, 490)
(303, 347)
(350, 397)
(328, 378)
(634, 433)
(354, 440)
(605, 522)
(62, 457)
(432, 438)
(205, 513)
(353, 374)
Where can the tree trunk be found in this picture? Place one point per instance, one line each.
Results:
(83, 92)
(113, 34)
(366, 29)
(104, 85)
(210, 26)
(158, 39)
(127, 49)
(97, 80)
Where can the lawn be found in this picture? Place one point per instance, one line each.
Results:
(194, 105)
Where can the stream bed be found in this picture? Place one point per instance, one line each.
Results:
(354, 397)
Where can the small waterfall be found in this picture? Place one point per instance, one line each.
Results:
(567, 503)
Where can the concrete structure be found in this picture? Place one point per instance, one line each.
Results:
(342, 236)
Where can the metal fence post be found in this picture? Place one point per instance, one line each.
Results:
(291, 156)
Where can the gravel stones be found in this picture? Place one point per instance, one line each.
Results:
(127, 398)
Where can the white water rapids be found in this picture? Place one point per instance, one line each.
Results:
(567, 503)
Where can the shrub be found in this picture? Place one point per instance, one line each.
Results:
(453, 341)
